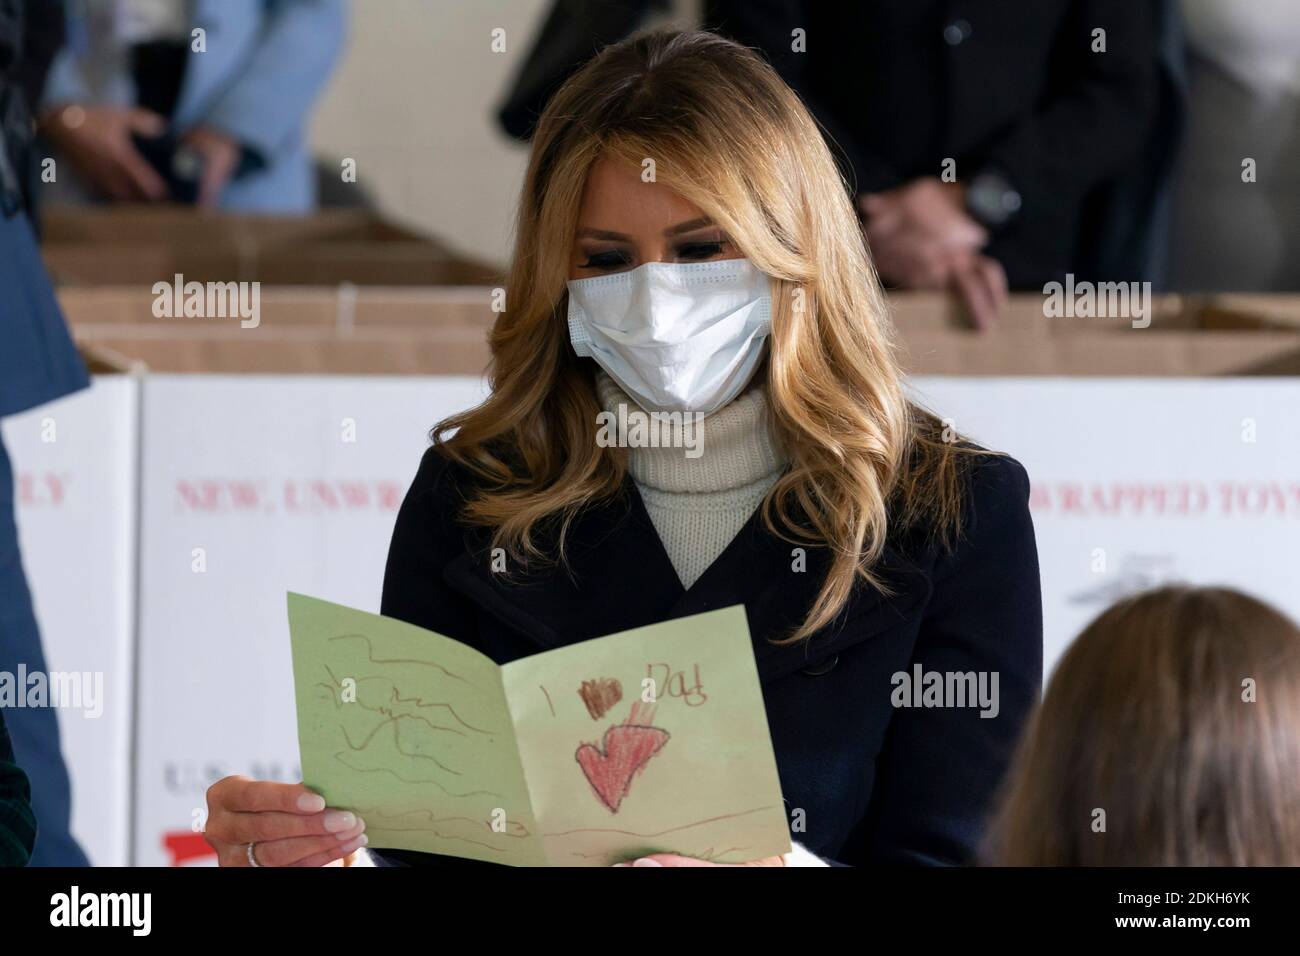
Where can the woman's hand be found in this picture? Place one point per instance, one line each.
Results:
(220, 154)
(287, 824)
(672, 859)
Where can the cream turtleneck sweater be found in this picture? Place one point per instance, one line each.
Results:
(699, 504)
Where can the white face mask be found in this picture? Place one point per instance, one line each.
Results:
(675, 336)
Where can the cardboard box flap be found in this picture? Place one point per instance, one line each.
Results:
(130, 245)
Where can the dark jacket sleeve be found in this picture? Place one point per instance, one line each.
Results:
(17, 822)
(43, 35)
(768, 26)
(1096, 126)
(940, 768)
(425, 538)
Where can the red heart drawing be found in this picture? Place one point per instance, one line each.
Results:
(623, 753)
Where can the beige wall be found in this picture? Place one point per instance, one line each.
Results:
(414, 103)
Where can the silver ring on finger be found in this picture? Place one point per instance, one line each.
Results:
(252, 860)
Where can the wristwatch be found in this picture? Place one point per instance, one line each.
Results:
(991, 198)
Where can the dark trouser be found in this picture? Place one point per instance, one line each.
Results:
(34, 730)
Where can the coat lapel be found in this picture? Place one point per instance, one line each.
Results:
(777, 585)
(620, 577)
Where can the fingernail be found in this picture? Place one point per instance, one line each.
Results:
(646, 861)
(311, 803)
(351, 832)
(337, 820)
(355, 845)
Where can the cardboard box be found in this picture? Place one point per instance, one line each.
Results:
(339, 308)
(1269, 312)
(1187, 336)
(364, 329)
(304, 351)
(141, 245)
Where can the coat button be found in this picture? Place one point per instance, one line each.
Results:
(825, 667)
(957, 32)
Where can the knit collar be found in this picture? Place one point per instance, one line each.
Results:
(736, 445)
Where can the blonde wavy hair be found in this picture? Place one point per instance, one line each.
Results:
(727, 134)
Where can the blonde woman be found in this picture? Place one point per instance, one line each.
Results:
(1170, 736)
(685, 244)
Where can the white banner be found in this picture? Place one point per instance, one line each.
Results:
(254, 486)
(1138, 483)
(75, 482)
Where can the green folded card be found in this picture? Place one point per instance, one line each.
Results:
(653, 740)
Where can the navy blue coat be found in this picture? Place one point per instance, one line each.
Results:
(877, 783)
(38, 361)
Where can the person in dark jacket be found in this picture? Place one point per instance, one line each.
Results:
(679, 194)
(978, 135)
(38, 363)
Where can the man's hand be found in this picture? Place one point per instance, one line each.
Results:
(923, 210)
(97, 141)
(921, 237)
(981, 284)
(908, 260)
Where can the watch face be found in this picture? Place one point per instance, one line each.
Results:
(992, 199)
